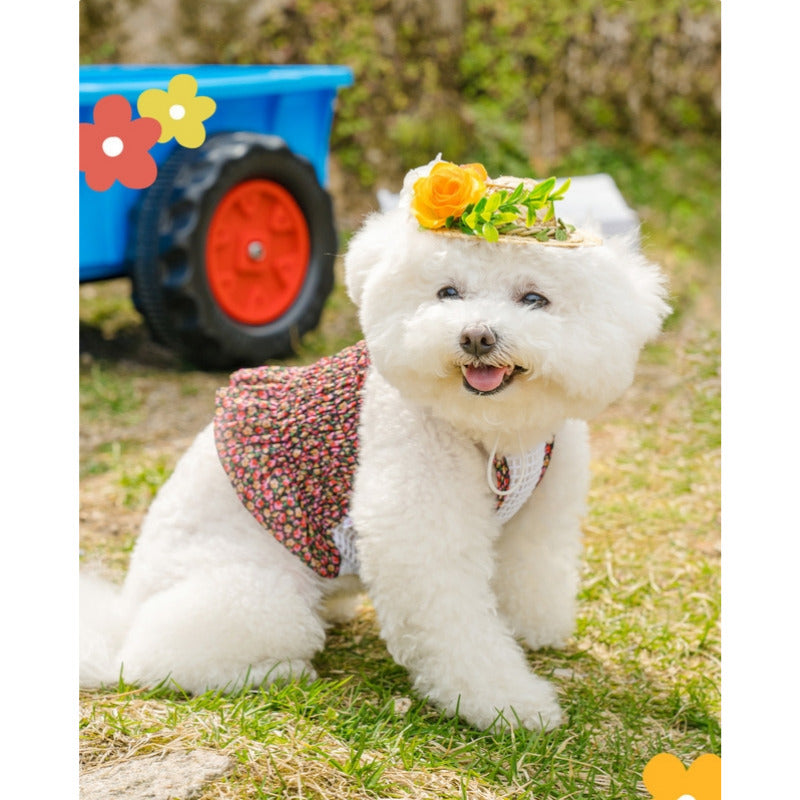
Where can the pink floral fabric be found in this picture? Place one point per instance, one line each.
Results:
(288, 440)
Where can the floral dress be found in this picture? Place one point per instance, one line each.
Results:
(287, 438)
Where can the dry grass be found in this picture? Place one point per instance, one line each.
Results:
(298, 759)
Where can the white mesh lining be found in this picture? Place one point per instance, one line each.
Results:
(523, 473)
(344, 537)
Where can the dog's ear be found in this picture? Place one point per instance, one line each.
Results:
(650, 305)
(364, 251)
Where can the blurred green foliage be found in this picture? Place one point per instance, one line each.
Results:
(514, 84)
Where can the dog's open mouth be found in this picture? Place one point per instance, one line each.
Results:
(487, 379)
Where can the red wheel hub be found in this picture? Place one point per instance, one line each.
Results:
(257, 252)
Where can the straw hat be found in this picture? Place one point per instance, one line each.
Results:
(463, 201)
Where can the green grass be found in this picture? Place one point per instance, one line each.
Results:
(142, 483)
(104, 391)
(640, 676)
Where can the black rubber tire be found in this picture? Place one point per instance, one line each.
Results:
(170, 285)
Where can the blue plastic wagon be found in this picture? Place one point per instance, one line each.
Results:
(231, 248)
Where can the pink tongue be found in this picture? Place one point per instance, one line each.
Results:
(484, 379)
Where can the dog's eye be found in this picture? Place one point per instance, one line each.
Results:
(534, 300)
(448, 293)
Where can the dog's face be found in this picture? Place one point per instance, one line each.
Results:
(504, 338)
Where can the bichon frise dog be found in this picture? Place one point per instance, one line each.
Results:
(442, 465)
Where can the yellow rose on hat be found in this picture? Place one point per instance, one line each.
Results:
(446, 191)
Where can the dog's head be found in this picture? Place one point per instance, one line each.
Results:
(508, 337)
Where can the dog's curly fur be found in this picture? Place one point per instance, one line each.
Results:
(213, 601)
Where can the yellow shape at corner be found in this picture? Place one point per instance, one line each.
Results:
(179, 110)
(666, 778)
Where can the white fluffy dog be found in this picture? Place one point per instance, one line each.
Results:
(482, 359)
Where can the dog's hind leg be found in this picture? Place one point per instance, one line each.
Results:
(225, 628)
(211, 599)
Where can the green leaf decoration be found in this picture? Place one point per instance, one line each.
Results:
(504, 217)
(493, 202)
(562, 190)
(489, 232)
(542, 190)
(516, 195)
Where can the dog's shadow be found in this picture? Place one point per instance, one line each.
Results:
(131, 343)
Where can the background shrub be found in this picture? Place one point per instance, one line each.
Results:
(509, 82)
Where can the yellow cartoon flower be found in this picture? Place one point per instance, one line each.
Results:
(667, 779)
(179, 110)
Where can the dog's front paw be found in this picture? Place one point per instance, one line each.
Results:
(545, 716)
(536, 708)
(542, 712)
(549, 622)
(555, 637)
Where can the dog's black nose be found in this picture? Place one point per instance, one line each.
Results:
(478, 340)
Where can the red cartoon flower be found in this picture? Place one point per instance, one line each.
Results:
(115, 147)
